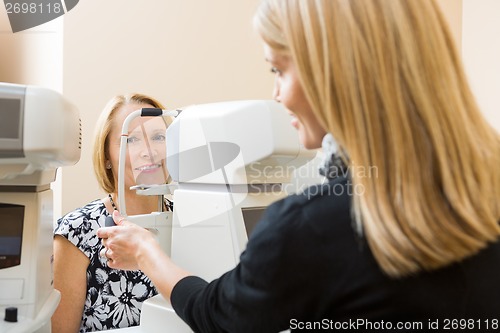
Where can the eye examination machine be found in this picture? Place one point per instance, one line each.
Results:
(229, 161)
(39, 132)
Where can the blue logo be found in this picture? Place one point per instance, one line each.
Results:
(26, 14)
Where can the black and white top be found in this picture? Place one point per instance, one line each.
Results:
(114, 297)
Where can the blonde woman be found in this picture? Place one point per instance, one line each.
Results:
(94, 296)
(409, 240)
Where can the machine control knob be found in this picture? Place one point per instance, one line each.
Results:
(11, 314)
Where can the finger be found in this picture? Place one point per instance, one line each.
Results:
(119, 219)
(104, 233)
(108, 254)
(102, 253)
(112, 264)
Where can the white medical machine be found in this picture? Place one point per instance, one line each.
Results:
(229, 161)
(39, 132)
(160, 221)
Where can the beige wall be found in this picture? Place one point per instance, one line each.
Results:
(452, 9)
(31, 57)
(481, 54)
(476, 26)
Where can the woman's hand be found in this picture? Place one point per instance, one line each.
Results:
(125, 243)
(130, 247)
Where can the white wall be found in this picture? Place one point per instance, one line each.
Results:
(481, 53)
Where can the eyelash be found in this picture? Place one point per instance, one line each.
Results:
(132, 139)
(159, 137)
(274, 70)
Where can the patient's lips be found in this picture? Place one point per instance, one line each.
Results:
(149, 167)
(152, 173)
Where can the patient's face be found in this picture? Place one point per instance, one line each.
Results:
(146, 150)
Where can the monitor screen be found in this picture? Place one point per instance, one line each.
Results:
(10, 113)
(11, 234)
(251, 216)
(11, 128)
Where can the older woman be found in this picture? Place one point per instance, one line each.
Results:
(94, 296)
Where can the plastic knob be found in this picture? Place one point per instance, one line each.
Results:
(11, 315)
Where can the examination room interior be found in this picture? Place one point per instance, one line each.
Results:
(184, 53)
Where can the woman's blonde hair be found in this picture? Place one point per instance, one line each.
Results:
(103, 127)
(384, 77)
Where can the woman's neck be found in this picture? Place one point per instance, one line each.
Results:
(137, 204)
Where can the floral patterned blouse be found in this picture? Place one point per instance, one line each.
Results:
(114, 297)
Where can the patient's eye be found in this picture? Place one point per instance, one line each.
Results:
(274, 70)
(159, 137)
(132, 139)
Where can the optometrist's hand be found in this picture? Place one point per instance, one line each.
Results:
(130, 247)
(125, 243)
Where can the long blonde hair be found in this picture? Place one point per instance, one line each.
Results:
(384, 77)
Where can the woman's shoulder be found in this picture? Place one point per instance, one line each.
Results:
(320, 209)
(329, 198)
(90, 211)
(80, 226)
(84, 218)
(294, 228)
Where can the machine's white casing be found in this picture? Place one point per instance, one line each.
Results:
(229, 159)
(28, 286)
(159, 222)
(49, 129)
(253, 140)
(209, 232)
(51, 136)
